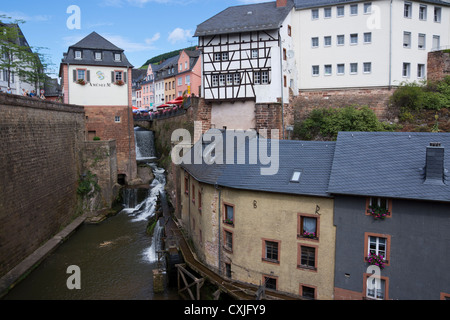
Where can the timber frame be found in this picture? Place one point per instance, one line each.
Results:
(234, 63)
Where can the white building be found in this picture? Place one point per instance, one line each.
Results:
(243, 62)
(381, 43)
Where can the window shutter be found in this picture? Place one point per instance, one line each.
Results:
(88, 76)
(112, 76)
(125, 76)
(74, 75)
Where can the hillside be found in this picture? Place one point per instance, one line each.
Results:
(160, 58)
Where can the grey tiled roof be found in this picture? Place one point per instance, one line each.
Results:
(303, 4)
(312, 158)
(253, 17)
(388, 164)
(91, 44)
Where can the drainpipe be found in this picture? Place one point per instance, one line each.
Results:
(128, 117)
(390, 46)
(282, 81)
(219, 233)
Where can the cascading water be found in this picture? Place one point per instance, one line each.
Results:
(145, 149)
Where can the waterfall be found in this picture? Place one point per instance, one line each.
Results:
(145, 149)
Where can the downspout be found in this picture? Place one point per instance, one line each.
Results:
(282, 81)
(219, 233)
(390, 46)
(128, 116)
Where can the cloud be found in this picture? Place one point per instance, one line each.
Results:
(179, 34)
(17, 15)
(153, 39)
(118, 40)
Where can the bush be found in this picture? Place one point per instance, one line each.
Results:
(97, 139)
(325, 124)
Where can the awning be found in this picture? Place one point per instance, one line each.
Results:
(163, 106)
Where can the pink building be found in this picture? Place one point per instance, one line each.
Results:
(148, 88)
(188, 78)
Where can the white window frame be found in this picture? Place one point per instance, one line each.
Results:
(326, 11)
(326, 68)
(187, 80)
(221, 79)
(215, 80)
(421, 71)
(407, 39)
(436, 42)
(353, 36)
(314, 14)
(229, 79)
(368, 8)
(117, 119)
(255, 53)
(376, 242)
(406, 70)
(315, 70)
(265, 77)
(117, 57)
(237, 78)
(340, 11)
(325, 40)
(257, 77)
(217, 56)
(422, 44)
(180, 81)
(437, 14)
(367, 37)
(224, 56)
(340, 69)
(78, 55)
(407, 10)
(313, 39)
(423, 12)
(354, 9)
(340, 37)
(98, 55)
(376, 294)
(352, 65)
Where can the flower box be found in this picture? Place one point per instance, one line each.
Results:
(119, 83)
(378, 212)
(81, 82)
(376, 259)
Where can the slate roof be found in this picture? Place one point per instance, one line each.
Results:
(94, 43)
(253, 17)
(313, 158)
(304, 4)
(387, 164)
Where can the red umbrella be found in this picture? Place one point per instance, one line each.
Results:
(163, 106)
(135, 108)
(176, 101)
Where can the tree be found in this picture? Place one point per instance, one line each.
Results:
(17, 57)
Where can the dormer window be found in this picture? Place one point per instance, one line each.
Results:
(78, 54)
(98, 55)
(296, 176)
(117, 56)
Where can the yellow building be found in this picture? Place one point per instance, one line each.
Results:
(275, 229)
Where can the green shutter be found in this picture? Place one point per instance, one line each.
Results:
(74, 75)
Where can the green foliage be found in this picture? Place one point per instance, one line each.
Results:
(324, 124)
(86, 183)
(97, 138)
(165, 56)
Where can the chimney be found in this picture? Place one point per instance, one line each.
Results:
(281, 3)
(434, 164)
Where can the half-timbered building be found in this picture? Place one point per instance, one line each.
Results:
(244, 62)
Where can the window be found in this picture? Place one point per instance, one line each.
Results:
(406, 69)
(308, 292)
(340, 69)
(199, 201)
(375, 288)
(221, 79)
(315, 42)
(117, 56)
(81, 74)
(254, 53)
(265, 77)
(193, 194)
(307, 227)
(384, 203)
(289, 31)
(340, 40)
(307, 257)
(271, 251)
(217, 56)
(315, 72)
(180, 81)
(228, 270)
(77, 54)
(228, 240)
(270, 282)
(237, 78)
(257, 77)
(327, 12)
(423, 12)
(328, 69)
(98, 56)
(224, 56)
(117, 119)
(368, 7)
(407, 10)
(437, 14)
(340, 11)
(354, 38)
(327, 41)
(229, 79)
(186, 185)
(229, 214)
(353, 68)
(378, 246)
(187, 80)
(406, 39)
(368, 37)
(315, 14)
(367, 67)
(353, 9)
(421, 42)
(215, 80)
(436, 42)
(298, 173)
(420, 71)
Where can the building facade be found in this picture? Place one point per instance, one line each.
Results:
(188, 79)
(391, 203)
(97, 75)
